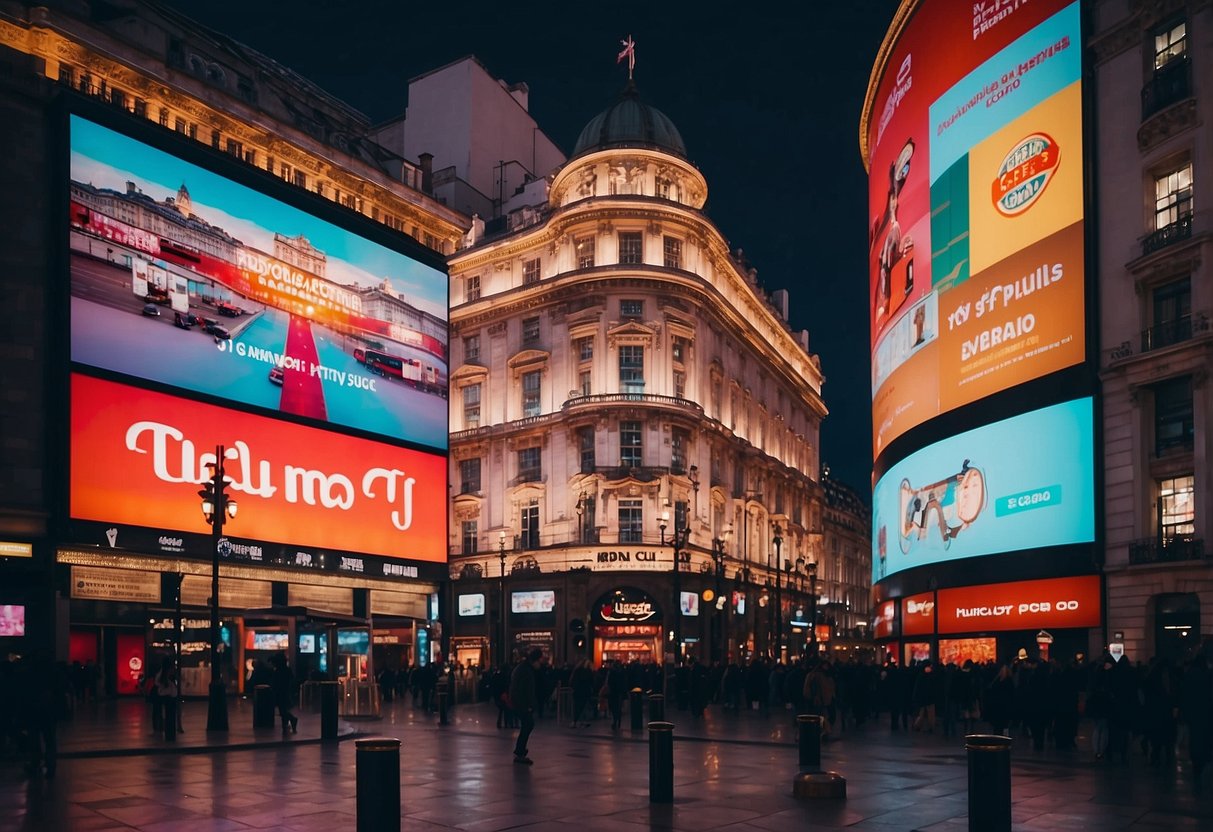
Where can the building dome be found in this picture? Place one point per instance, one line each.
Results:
(630, 123)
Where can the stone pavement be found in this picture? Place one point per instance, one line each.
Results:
(731, 773)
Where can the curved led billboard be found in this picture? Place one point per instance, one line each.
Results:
(186, 278)
(1021, 483)
(974, 137)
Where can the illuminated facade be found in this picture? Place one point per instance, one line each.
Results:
(1154, 260)
(844, 571)
(146, 87)
(616, 368)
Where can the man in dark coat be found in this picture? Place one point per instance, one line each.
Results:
(523, 698)
(1196, 709)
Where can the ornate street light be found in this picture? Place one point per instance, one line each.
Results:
(501, 651)
(217, 508)
(813, 607)
(721, 634)
(778, 541)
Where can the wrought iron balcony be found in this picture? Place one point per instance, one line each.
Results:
(1170, 85)
(1166, 550)
(1181, 229)
(1167, 333)
(648, 399)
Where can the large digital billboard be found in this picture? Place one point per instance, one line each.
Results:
(1021, 483)
(186, 278)
(974, 137)
(1022, 605)
(138, 458)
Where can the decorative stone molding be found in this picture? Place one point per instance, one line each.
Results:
(1167, 123)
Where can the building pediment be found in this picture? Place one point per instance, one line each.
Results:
(469, 374)
(631, 332)
(528, 360)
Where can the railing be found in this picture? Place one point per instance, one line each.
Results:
(1170, 85)
(1181, 229)
(599, 399)
(1166, 550)
(1166, 334)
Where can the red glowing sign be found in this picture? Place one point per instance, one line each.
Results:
(918, 615)
(1054, 602)
(885, 624)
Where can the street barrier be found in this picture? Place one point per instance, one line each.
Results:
(661, 762)
(989, 782)
(377, 776)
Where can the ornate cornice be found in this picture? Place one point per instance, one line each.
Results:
(1167, 123)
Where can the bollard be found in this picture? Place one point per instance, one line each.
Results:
(661, 762)
(564, 706)
(656, 708)
(377, 774)
(989, 782)
(810, 742)
(329, 694)
(442, 697)
(636, 708)
(170, 717)
(263, 706)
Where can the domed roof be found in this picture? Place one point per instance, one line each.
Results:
(630, 123)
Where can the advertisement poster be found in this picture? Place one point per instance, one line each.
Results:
(957, 651)
(294, 484)
(98, 583)
(540, 600)
(1021, 483)
(471, 604)
(1022, 605)
(183, 277)
(976, 208)
(132, 663)
(918, 615)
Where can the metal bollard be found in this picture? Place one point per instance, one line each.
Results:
(989, 782)
(170, 717)
(263, 706)
(636, 708)
(329, 694)
(661, 762)
(810, 741)
(656, 707)
(377, 773)
(442, 704)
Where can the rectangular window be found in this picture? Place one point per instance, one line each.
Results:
(118, 98)
(530, 393)
(631, 445)
(631, 521)
(180, 125)
(530, 331)
(631, 368)
(583, 382)
(471, 348)
(678, 349)
(1172, 315)
(1173, 423)
(663, 188)
(470, 537)
(1173, 197)
(585, 349)
(585, 443)
(1170, 43)
(680, 384)
(672, 250)
(529, 465)
(530, 525)
(300, 178)
(1177, 508)
(164, 116)
(141, 109)
(235, 148)
(631, 247)
(469, 476)
(631, 309)
(680, 441)
(585, 252)
(471, 406)
(530, 272)
(472, 288)
(682, 515)
(216, 136)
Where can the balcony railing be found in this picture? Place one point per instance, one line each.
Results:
(1167, 550)
(1170, 85)
(1166, 333)
(599, 399)
(1181, 229)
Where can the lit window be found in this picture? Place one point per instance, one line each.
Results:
(585, 252)
(1177, 507)
(1170, 43)
(672, 249)
(1173, 197)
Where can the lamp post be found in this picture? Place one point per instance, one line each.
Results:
(217, 507)
(721, 635)
(813, 607)
(580, 510)
(501, 653)
(778, 541)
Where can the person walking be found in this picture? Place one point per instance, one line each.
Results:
(1196, 709)
(523, 684)
(583, 690)
(283, 682)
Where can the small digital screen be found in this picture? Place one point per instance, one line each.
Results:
(12, 620)
(267, 641)
(353, 642)
(688, 602)
(307, 643)
(543, 600)
(472, 604)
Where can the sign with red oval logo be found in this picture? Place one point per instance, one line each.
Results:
(1024, 174)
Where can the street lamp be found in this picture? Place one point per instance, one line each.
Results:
(678, 540)
(721, 633)
(778, 541)
(501, 654)
(217, 508)
(813, 607)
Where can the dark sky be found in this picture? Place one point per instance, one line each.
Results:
(766, 95)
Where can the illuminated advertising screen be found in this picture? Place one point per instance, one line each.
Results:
(12, 620)
(472, 604)
(957, 651)
(974, 137)
(1021, 483)
(257, 640)
(1021, 605)
(885, 623)
(543, 600)
(918, 615)
(689, 603)
(353, 642)
(917, 651)
(138, 458)
(186, 278)
(307, 642)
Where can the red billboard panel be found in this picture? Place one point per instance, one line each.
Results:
(885, 625)
(1023, 605)
(918, 615)
(138, 457)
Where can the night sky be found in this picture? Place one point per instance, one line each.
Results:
(767, 99)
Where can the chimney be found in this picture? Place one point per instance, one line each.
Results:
(427, 172)
(780, 299)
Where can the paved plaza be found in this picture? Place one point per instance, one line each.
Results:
(731, 773)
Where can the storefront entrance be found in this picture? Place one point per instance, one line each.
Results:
(627, 628)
